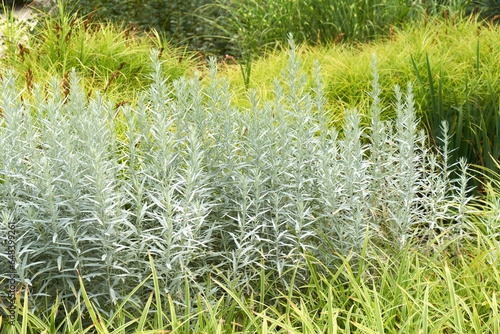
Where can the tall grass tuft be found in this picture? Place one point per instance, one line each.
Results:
(474, 120)
(107, 56)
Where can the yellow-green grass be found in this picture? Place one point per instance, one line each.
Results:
(111, 58)
(346, 68)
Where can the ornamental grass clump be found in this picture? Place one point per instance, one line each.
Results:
(205, 187)
(107, 56)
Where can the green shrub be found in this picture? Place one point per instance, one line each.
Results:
(199, 183)
(240, 27)
(253, 26)
(312, 22)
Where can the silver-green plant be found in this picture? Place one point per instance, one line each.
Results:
(204, 187)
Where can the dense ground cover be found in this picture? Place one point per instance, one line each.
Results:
(452, 288)
(198, 206)
(450, 46)
(242, 27)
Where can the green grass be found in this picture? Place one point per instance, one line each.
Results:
(251, 24)
(110, 58)
(450, 47)
(251, 27)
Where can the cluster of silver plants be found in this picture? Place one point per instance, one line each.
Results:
(205, 186)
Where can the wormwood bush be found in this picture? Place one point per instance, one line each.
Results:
(204, 186)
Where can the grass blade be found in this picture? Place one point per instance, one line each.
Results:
(159, 312)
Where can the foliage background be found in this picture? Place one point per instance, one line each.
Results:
(172, 18)
(221, 25)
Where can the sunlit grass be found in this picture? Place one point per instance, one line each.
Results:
(108, 57)
(450, 45)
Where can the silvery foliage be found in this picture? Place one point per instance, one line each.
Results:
(205, 186)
